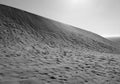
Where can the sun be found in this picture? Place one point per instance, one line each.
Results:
(77, 4)
(75, 1)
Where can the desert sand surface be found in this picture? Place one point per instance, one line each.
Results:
(38, 50)
(115, 39)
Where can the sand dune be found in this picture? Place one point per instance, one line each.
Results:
(115, 39)
(38, 50)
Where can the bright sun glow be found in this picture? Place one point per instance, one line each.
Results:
(76, 4)
(74, 1)
(78, 1)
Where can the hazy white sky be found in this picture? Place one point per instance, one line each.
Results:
(99, 16)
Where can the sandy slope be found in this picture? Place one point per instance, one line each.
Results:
(115, 39)
(37, 50)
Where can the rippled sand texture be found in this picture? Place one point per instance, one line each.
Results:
(37, 50)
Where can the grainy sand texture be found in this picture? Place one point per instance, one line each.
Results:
(37, 50)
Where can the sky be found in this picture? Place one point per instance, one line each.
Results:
(99, 16)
